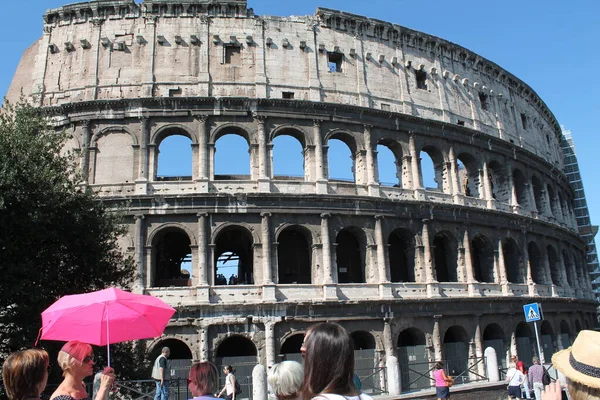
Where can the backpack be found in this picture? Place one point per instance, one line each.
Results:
(546, 380)
(238, 387)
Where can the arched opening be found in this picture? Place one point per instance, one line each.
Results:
(468, 175)
(537, 194)
(565, 334)
(365, 359)
(482, 255)
(350, 260)
(525, 343)
(413, 360)
(547, 334)
(444, 257)
(568, 268)
(232, 146)
(402, 256)
(498, 183)
(432, 168)
(553, 262)
(172, 257)
(552, 197)
(174, 158)
(520, 188)
(290, 348)
(234, 257)
(389, 163)
(493, 336)
(536, 263)
(456, 352)
(340, 161)
(239, 352)
(577, 328)
(512, 261)
(181, 356)
(294, 256)
(288, 156)
(114, 158)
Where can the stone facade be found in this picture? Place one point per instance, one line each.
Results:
(401, 266)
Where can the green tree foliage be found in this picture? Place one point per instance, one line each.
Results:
(56, 236)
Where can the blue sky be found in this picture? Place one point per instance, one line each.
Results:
(552, 45)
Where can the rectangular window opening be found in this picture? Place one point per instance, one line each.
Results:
(334, 62)
(460, 122)
(385, 107)
(524, 121)
(483, 99)
(287, 95)
(421, 77)
(233, 55)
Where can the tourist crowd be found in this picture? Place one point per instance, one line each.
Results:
(327, 373)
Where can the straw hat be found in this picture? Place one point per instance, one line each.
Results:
(581, 362)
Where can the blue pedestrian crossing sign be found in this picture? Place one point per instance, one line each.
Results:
(533, 312)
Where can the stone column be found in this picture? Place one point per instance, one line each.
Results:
(321, 181)
(203, 152)
(487, 187)
(383, 268)
(139, 252)
(528, 277)
(385, 288)
(514, 202)
(329, 290)
(436, 338)
(270, 343)
(203, 240)
(204, 347)
(266, 248)
(388, 342)
(263, 178)
(141, 183)
(429, 277)
(479, 347)
(563, 270)
(468, 258)
(85, 153)
(454, 184)
(414, 163)
(502, 268)
(371, 163)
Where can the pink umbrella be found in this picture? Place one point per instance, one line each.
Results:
(104, 317)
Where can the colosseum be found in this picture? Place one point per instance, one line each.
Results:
(414, 271)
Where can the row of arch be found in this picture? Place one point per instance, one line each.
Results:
(409, 162)
(492, 260)
(415, 349)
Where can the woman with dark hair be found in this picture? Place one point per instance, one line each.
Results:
(230, 386)
(329, 364)
(442, 381)
(25, 374)
(203, 380)
(76, 359)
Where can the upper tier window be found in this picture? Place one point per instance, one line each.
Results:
(334, 62)
(421, 77)
(233, 55)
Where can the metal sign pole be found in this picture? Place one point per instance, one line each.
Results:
(537, 338)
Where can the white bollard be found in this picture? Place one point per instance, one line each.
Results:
(259, 382)
(393, 375)
(492, 364)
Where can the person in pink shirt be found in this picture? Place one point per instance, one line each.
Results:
(442, 381)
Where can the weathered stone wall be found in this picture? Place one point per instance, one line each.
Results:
(133, 50)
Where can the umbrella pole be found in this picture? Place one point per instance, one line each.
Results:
(107, 337)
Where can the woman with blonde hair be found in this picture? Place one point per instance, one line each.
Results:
(285, 379)
(203, 380)
(76, 360)
(25, 374)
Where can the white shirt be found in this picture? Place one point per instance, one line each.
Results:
(514, 377)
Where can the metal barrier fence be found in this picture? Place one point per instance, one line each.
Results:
(146, 388)
(418, 375)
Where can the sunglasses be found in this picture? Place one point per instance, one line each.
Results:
(87, 359)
